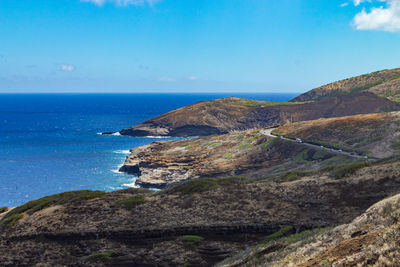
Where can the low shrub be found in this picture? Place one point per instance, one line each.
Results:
(321, 154)
(292, 176)
(228, 156)
(3, 209)
(244, 146)
(279, 234)
(232, 180)
(191, 240)
(100, 257)
(345, 170)
(396, 145)
(132, 202)
(270, 142)
(195, 186)
(11, 220)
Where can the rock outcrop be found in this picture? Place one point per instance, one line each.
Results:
(241, 153)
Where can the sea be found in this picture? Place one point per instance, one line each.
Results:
(50, 143)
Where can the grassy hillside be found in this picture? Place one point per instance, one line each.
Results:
(385, 83)
(375, 135)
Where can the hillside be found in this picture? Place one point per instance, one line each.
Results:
(197, 223)
(372, 239)
(240, 153)
(375, 135)
(385, 83)
(231, 114)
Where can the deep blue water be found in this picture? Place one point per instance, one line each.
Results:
(49, 142)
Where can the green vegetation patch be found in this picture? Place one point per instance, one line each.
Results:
(292, 176)
(132, 202)
(58, 199)
(244, 146)
(348, 169)
(279, 234)
(11, 220)
(365, 87)
(370, 140)
(196, 186)
(191, 240)
(104, 257)
(396, 145)
(3, 209)
(187, 146)
(266, 103)
(270, 142)
(235, 180)
(321, 154)
(206, 184)
(304, 235)
(228, 156)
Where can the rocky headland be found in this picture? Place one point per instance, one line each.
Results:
(222, 116)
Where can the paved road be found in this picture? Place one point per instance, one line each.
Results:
(268, 132)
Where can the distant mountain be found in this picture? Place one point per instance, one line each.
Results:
(385, 83)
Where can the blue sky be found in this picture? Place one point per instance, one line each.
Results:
(193, 45)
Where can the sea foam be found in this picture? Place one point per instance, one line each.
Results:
(124, 152)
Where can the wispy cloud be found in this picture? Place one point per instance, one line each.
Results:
(383, 18)
(192, 78)
(123, 2)
(166, 79)
(67, 67)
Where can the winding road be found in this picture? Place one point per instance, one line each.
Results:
(268, 132)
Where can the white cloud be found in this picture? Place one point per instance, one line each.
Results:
(357, 2)
(122, 2)
(67, 67)
(166, 79)
(344, 4)
(192, 78)
(384, 18)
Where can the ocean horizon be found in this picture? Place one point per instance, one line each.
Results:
(50, 143)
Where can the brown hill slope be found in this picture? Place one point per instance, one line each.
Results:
(241, 153)
(230, 114)
(385, 83)
(371, 239)
(376, 135)
(144, 228)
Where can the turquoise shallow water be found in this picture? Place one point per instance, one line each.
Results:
(49, 143)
